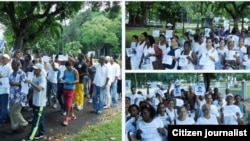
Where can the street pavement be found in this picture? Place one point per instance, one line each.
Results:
(53, 122)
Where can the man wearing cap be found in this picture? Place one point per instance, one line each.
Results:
(5, 71)
(231, 114)
(38, 84)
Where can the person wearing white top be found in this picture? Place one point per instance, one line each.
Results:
(139, 50)
(183, 119)
(149, 128)
(133, 59)
(115, 73)
(108, 95)
(52, 84)
(38, 84)
(221, 52)
(101, 80)
(231, 113)
(213, 109)
(190, 56)
(207, 118)
(171, 112)
(5, 71)
(208, 56)
(173, 54)
(246, 60)
(148, 54)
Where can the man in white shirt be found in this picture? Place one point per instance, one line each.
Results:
(52, 84)
(5, 71)
(115, 72)
(100, 85)
(231, 113)
(38, 84)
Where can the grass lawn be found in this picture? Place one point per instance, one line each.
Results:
(106, 131)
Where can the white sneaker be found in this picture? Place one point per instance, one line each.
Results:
(79, 108)
(90, 101)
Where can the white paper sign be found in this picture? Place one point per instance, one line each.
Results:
(177, 91)
(156, 33)
(128, 84)
(46, 59)
(129, 52)
(4, 82)
(207, 31)
(63, 58)
(91, 52)
(169, 34)
(200, 89)
(30, 75)
(167, 59)
(230, 55)
(183, 61)
(179, 102)
(133, 45)
(246, 63)
(24, 88)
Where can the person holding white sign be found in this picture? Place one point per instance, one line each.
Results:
(221, 51)
(208, 56)
(163, 45)
(148, 52)
(189, 57)
(231, 59)
(17, 98)
(133, 58)
(140, 49)
(173, 53)
(231, 113)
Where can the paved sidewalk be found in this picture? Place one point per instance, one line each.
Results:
(53, 122)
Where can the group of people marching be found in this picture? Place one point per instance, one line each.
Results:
(28, 81)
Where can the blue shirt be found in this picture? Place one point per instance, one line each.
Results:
(69, 77)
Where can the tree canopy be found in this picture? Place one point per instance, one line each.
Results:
(28, 21)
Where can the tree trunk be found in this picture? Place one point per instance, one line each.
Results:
(19, 43)
(236, 20)
(145, 7)
(207, 77)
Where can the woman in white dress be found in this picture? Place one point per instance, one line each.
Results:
(133, 58)
(163, 45)
(148, 54)
(149, 128)
(246, 60)
(221, 51)
(139, 49)
(190, 56)
(230, 61)
(208, 56)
